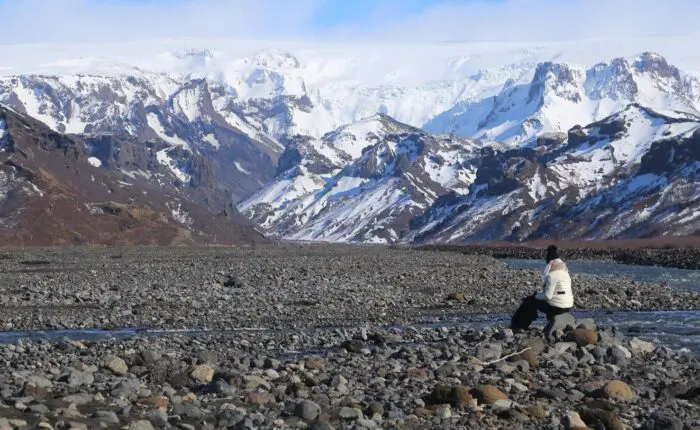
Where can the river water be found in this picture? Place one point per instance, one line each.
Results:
(675, 329)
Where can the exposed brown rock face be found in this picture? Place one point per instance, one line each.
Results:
(51, 195)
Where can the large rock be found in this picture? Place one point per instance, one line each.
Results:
(141, 425)
(254, 381)
(573, 421)
(585, 337)
(347, 413)
(307, 410)
(618, 390)
(619, 355)
(202, 373)
(455, 395)
(561, 323)
(77, 378)
(489, 352)
(116, 365)
(660, 420)
(39, 381)
(314, 363)
(489, 394)
(641, 347)
(354, 345)
(592, 417)
(109, 417)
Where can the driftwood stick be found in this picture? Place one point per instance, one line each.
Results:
(506, 357)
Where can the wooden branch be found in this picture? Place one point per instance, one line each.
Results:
(506, 357)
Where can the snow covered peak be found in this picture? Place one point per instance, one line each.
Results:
(612, 80)
(561, 80)
(649, 62)
(266, 76)
(560, 96)
(193, 101)
(272, 59)
(362, 182)
(354, 138)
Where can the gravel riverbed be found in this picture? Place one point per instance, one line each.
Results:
(326, 359)
(415, 378)
(286, 286)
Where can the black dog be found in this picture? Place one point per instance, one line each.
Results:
(524, 315)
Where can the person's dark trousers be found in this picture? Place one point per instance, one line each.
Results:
(527, 312)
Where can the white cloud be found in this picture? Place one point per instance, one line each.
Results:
(76, 34)
(43, 21)
(88, 21)
(536, 20)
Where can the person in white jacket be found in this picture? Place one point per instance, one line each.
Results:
(555, 298)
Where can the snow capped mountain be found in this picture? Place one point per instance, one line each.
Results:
(567, 189)
(188, 120)
(362, 183)
(559, 96)
(52, 193)
(463, 141)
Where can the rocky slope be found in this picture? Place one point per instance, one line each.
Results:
(633, 173)
(52, 192)
(189, 118)
(361, 183)
(617, 178)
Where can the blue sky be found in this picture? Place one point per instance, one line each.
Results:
(334, 13)
(73, 21)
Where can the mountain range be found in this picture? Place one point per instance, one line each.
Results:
(519, 151)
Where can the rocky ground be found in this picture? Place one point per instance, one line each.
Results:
(283, 286)
(323, 361)
(416, 378)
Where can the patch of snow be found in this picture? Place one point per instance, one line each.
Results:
(211, 139)
(174, 167)
(95, 162)
(134, 173)
(240, 168)
(36, 189)
(155, 125)
(179, 215)
(186, 102)
(94, 209)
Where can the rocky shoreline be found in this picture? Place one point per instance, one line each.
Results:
(281, 287)
(370, 378)
(679, 258)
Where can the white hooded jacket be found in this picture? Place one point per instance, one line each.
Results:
(557, 285)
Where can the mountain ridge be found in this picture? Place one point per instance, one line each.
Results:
(52, 193)
(313, 157)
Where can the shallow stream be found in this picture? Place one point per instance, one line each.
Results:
(675, 329)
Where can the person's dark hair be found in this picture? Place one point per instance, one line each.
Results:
(552, 253)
